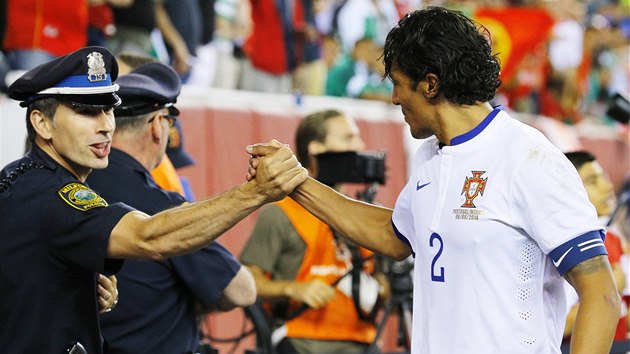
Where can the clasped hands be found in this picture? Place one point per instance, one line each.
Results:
(275, 169)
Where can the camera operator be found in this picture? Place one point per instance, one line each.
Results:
(299, 264)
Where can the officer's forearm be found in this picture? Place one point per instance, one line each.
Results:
(183, 229)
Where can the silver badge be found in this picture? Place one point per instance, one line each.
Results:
(96, 67)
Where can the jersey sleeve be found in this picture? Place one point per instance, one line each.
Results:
(402, 217)
(207, 272)
(551, 205)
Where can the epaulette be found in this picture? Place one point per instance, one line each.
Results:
(13, 175)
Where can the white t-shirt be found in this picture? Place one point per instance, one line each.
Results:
(481, 217)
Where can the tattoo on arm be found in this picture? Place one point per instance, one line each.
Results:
(589, 266)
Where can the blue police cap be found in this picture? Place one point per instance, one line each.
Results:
(148, 88)
(83, 77)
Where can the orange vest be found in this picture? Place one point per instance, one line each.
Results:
(166, 177)
(338, 320)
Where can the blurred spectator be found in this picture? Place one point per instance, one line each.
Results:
(133, 28)
(282, 37)
(181, 23)
(560, 96)
(220, 63)
(358, 19)
(144, 28)
(359, 74)
(38, 31)
(101, 20)
(128, 61)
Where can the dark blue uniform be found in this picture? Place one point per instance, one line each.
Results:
(54, 233)
(155, 312)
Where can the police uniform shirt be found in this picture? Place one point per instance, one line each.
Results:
(155, 312)
(489, 219)
(54, 233)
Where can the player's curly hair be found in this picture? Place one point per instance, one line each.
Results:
(448, 44)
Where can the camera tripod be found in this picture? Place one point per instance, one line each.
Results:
(401, 302)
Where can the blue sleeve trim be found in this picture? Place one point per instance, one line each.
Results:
(577, 250)
(403, 238)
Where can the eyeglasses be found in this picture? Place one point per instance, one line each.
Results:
(169, 117)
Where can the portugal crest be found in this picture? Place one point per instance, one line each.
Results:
(473, 187)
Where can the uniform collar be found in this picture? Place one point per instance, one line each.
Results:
(120, 157)
(478, 129)
(39, 156)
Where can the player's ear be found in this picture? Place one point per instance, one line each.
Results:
(430, 86)
(41, 124)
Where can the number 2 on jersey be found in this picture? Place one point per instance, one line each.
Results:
(436, 277)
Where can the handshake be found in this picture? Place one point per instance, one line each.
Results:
(273, 170)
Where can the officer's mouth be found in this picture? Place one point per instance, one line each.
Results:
(101, 150)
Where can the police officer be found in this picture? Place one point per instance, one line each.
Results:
(56, 233)
(158, 312)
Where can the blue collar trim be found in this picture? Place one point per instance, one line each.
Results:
(478, 129)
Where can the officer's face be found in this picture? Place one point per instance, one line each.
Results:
(82, 138)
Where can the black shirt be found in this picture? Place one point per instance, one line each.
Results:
(155, 312)
(54, 233)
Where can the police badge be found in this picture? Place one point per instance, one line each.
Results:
(96, 67)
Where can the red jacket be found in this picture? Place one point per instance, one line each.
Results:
(269, 47)
(58, 27)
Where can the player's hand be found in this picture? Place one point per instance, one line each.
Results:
(274, 170)
(107, 293)
(315, 293)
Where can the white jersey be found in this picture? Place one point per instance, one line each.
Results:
(493, 221)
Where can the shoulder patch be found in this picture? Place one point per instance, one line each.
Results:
(80, 197)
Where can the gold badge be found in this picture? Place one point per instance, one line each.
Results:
(96, 67)
(81, 197)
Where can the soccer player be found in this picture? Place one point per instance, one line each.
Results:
(494, 214)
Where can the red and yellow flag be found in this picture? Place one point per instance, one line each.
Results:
(515, 32)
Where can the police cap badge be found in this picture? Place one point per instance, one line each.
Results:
(83, 77)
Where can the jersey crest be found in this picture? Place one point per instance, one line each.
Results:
(473, 187)
(81, 197)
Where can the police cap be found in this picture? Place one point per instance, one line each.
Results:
(83, 77)
(148, 88)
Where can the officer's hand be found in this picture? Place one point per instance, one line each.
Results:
(107, 293)
(274, 170)
(314, 293)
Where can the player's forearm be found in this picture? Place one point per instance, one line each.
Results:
(183, 229)
(595, 327)
(365, 224)
(600, 306)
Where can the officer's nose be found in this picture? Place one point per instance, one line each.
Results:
(106, 122)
